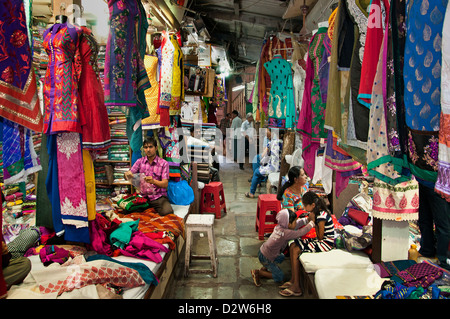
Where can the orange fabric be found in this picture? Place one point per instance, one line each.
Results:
(150, 222)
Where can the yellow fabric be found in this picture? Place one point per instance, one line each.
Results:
(151, 94)
(177, 79)
(89, 181)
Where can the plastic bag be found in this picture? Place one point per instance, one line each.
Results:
(180, 193)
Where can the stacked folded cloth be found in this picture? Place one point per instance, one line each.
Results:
(19, 208)
(119, 170)
(119, 152)
(100, 172)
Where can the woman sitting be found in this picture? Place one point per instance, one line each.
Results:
(290, 194)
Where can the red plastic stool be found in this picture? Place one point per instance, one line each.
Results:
(266, 203)
(212, 199)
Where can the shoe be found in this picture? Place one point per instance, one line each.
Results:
(241, 167)
(287, 284)
(289, 293)
(248, 195)
(255, 276)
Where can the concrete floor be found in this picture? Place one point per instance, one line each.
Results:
(237, 247)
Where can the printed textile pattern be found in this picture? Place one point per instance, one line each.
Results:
(422, 80)
(442, 185)
(281, 102)
(89, 273)
(399, 202)
(19, 100)
(61, 96)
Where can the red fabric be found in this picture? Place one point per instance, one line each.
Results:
(95, 125)
(374, 37)
(358, 216)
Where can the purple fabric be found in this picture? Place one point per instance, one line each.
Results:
(158, 169)
(421, 274)
(99, 230)
(51, 254)
(141, 246)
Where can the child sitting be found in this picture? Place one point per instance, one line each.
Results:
(324, 240)
(271, 252)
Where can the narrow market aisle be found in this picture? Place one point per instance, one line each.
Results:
(237, 247)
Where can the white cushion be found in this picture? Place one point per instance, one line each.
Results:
(347, 282)
(180, 210)
(334, 259)
(273, 178)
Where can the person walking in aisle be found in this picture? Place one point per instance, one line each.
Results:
(225, 124)
(236, 124)
(248, 132)
(324, 240)
(271, 254)
(156, 180)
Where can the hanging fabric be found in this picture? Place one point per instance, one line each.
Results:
(96, 133)
(72, 189)
(19, 100)
(152, 93)
(422, 79)
(61, 95)
(443, 179)
(177, 93)
(281, 109)
(165, 79)
(19, 156)
(311, 118)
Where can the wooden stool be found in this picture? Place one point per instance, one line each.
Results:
(200, 223)
(212, 199)
(266, 203)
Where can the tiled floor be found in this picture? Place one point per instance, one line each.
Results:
(237, 245)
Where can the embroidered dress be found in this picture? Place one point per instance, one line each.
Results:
(95, 130)
(152, 93)
(125, 76)
(281, 102)
(61, 96)
(422, 79)
(312, 114)
(19, 100)
(177, 78)
(442, 185)
(165, 79)
(72, 189)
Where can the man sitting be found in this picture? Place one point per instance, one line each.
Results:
(156, 179)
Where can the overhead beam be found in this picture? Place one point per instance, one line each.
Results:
(267, 21)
